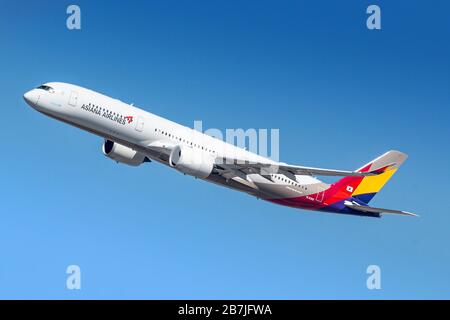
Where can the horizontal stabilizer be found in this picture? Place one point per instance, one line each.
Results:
(358, 207)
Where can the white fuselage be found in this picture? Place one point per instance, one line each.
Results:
(147, 133)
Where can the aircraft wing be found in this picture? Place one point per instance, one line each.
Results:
(162, 147)
(270, 168)
(265, 168)
(358, 207)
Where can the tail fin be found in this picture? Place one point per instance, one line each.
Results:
(365, 188)
(386, 165)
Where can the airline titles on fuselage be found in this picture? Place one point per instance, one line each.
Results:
(108, 114)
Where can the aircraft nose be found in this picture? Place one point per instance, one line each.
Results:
(31, 97)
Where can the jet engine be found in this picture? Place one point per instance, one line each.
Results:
(123, 154)
(192, 162)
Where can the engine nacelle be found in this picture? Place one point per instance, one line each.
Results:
(192, 162)
(123, 154)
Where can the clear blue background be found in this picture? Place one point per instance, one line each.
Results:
(339, 93)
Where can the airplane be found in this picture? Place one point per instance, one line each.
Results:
(133, 136)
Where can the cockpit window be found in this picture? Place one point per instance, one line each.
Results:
(46, 88)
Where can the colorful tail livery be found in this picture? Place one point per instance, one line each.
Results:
(352, 194)
(365, 188)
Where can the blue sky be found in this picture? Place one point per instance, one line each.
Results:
(339, 93)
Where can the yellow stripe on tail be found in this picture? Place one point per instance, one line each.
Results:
(370, 185)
